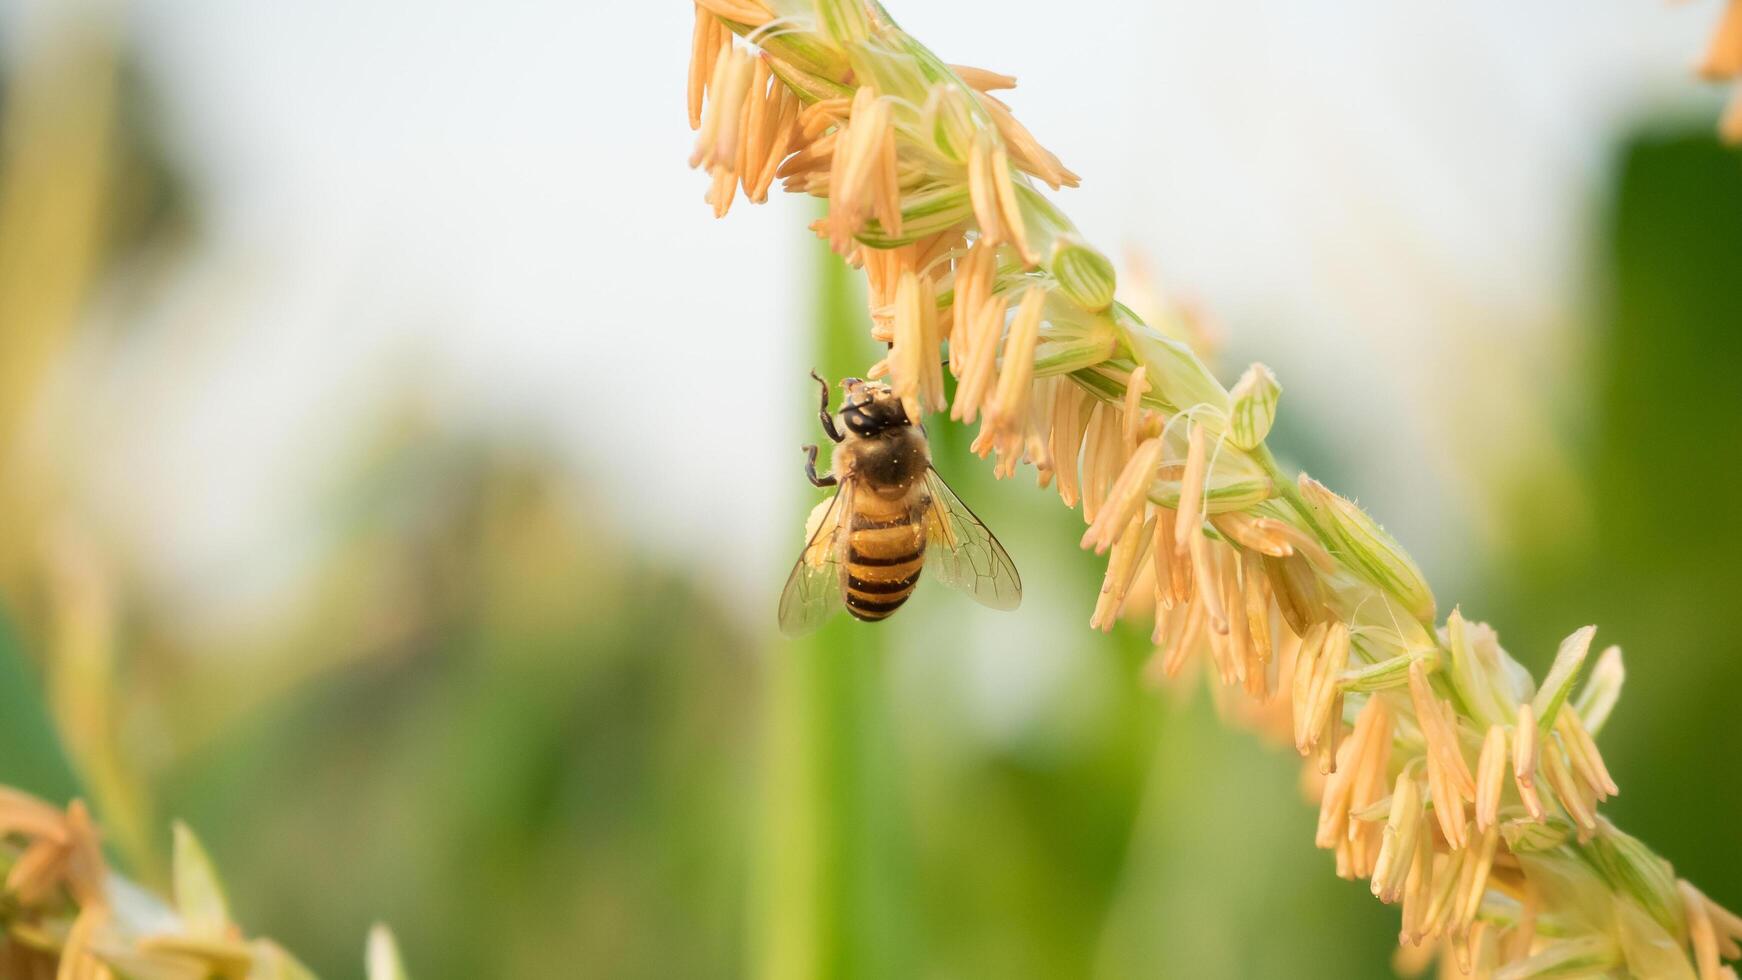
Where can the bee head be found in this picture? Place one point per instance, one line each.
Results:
(871, 408)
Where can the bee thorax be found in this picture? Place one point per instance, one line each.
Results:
(888, 465)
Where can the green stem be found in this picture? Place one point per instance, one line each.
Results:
(1287, 489)
(1291, 493)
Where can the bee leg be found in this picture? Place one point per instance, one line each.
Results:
(810, 469)
(828, 420)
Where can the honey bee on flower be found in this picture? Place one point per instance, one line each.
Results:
(891, 517)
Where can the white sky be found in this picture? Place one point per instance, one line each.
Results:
(1377, 198)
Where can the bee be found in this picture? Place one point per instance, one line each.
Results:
(891, 517)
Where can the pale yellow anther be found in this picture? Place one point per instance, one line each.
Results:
(1260, 534)
(1257, 603)
(1524, 760)
(1702, 935)
(1132, 413)
(1126, 497)
(1189, 519)
(1402, 832)
(1306, 662)
(1322, 692)
(983, 189)
(1490, 777)
(1204, 573)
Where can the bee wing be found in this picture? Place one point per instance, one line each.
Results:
(813, 590)
(963, 554)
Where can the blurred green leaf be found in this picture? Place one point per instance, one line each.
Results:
(34, 759)
(540, 771)
(835, 868)
(1656, 567)
(198, 897)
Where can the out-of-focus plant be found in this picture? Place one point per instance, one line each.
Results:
(504, 721)
(488, 718)
(1448, 776)
(832, 832)
(82, 186)
(71, 157)
(84, 190)
(64, 913)
(1662, 319)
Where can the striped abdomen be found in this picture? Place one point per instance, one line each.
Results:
(885, 552)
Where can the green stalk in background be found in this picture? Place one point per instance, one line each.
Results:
(1652, 547)
(836, 846)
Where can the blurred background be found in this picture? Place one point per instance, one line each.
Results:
(398, 470)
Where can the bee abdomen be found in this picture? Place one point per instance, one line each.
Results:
(875, 605)
(884, 559)
(872, 600)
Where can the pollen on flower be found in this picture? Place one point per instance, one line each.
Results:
(1490, 777)
(1189, 522)
(1126, 498)
(1450, 783)
(1103, 457)
(1007, 415)
(1122, 570)
(915, 369)
(1524, 761)
(981, 80)
(1402, 832)
(976, 345)
(750, 13)
(1070, 422)
(1136, 419)
(1323, 654)
(1025, 151)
